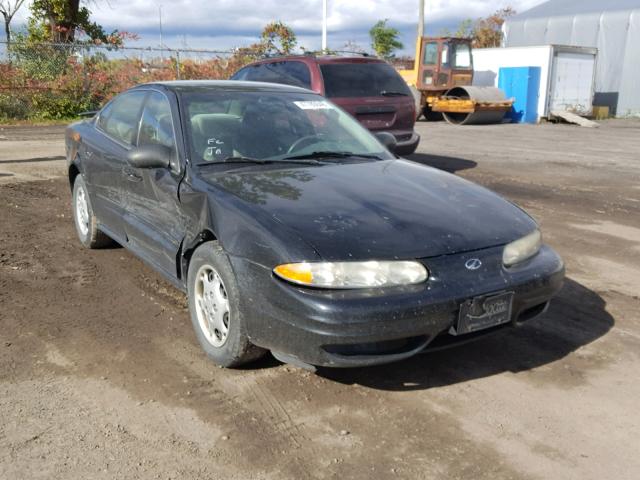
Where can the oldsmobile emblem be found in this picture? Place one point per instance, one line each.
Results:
(473, 264)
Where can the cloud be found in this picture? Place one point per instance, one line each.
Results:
(223, 24)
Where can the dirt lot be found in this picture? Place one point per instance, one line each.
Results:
(101, 375)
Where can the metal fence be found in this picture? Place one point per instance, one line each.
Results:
(48, 57)
(50, 80)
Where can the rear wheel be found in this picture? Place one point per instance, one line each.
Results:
(215, 308)
(84, 219)
(430, 115)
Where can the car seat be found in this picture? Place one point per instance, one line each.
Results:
(259, 137)
(214, 135)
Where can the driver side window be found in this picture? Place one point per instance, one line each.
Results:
(156, 126)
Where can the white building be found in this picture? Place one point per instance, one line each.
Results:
(612, 26)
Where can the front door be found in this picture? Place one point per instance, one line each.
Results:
(429, 65)
(104, 155)
(153, 222)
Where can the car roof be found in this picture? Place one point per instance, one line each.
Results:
(321, 59)
(354, 59)
(228, 85)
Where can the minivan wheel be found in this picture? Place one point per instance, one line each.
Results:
(215, 308)
(85, 221)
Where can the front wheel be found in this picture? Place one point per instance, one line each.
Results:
(215, 308)
(84, 218)
(430, 115)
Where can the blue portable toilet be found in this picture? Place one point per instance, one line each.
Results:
(523, 84)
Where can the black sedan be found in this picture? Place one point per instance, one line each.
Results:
(293, 229)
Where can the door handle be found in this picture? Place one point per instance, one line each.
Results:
(131, 175)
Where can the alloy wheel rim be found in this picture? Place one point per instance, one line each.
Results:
(82, 211)
(212, 306)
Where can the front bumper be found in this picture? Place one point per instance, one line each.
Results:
(348, 328)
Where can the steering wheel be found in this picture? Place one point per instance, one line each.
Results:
(304, 141)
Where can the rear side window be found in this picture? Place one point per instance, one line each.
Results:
(104, 116)
(241, 74)
(255, 73)
(298, 73)
(156, 125)
(361, 80)
(121, 117)
(288, 73)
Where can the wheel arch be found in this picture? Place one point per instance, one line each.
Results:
(73, 172)
(186, 251)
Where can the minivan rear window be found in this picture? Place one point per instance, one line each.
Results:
(362, 80)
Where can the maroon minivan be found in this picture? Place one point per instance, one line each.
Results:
(368, 88)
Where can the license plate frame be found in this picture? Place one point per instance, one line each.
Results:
(482, 312)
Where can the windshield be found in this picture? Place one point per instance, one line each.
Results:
(361, 80)
(223, 125)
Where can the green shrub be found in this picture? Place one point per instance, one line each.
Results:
(60, 82)
(50, 105)
(13, 107)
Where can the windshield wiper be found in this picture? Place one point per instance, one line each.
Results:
(389, 93)
(330, 154)
(259, 161)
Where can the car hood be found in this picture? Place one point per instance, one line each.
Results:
(394, 209)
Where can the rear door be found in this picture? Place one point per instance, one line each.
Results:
(373, 92)
(572, 82)
(153, 222)
(105, 158)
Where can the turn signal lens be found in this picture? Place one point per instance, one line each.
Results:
(522, 249)
(353, 274)
(295, 272)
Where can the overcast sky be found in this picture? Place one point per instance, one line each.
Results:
(224, 24)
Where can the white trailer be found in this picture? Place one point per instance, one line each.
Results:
(567, 74)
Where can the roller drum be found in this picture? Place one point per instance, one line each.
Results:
(478, 94)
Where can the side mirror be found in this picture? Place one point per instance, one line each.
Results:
(149, 156)
(388, 140)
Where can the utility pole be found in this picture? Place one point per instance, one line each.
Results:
(324, 26)
(161, 42)
(420, 18)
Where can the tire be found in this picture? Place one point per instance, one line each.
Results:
(213, 292)
(417, 100)
(84, 219)
(430, 115)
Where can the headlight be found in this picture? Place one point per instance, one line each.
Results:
(353, 274)
(522, 249)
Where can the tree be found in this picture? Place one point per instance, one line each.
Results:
(384, 39)
(485, 32)
(8, 9)
(278, 38)
(465, 29)
(351, 46)
(59, 21)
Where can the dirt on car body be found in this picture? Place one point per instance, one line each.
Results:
(102, 377)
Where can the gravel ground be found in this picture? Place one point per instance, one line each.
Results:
(101, 375)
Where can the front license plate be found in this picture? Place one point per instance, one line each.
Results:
(483, 312)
